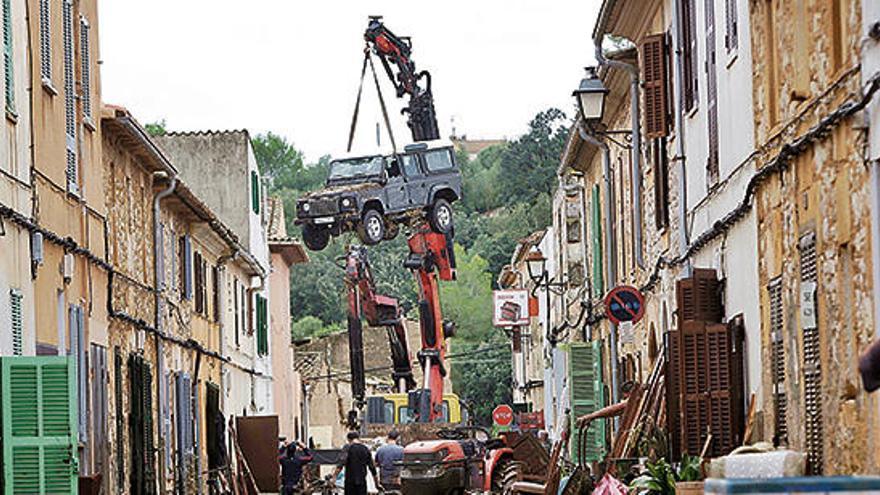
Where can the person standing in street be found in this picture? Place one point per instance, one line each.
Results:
(387, 458)
(356, 459)
(292, 462)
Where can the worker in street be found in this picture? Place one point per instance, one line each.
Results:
(387, 458)
(356, 459)
(293, 458)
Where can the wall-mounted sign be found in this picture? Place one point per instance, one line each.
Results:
(511, 308)
(624, 303)
(808, 304)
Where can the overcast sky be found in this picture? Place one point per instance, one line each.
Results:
(292, 67)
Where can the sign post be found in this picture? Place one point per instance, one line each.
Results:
(624, 304)
(502, 415)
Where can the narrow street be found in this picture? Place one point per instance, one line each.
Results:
(602, 247)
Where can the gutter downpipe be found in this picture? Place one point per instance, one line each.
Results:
(159, 275)
(232, 256)
(635, 117)
(610, 248)
(683, 236)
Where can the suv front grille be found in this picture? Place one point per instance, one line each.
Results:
(321, 207)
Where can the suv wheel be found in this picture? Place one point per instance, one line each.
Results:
(372, 228)
(316, 238)
(440, 216)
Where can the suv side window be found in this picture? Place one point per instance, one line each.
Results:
(438, 160)
(410, 165)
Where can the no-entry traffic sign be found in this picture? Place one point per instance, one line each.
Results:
(502, 415)
(624, 303)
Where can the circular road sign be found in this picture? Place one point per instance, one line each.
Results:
(502, 415)
(624, 303)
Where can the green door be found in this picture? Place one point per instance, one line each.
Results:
(38, 425)
(586, 394)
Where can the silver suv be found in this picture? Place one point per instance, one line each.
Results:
(373, 195)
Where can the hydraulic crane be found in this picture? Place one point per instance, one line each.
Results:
(378, 310)
(431, 259)
(397, 50)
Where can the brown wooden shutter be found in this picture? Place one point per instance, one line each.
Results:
(661, 184)
(654, 78)
(699, 297)
(215, 291)
(197, 276)
(673, 393)
(688, 42)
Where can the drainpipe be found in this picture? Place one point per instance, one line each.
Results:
(159, 279)
(610, 247)
(683, 237)
(635, 117)
(221, 262)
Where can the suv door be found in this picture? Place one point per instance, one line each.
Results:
(416, 182)
(395, 188)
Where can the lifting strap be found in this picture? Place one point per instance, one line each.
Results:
(357, 104)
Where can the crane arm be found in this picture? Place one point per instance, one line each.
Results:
(396, 51)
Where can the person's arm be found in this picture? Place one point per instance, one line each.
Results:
(372, 466)
(306, 456)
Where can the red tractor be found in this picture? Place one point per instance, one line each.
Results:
(463, 460)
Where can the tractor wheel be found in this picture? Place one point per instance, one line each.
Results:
(506, 473)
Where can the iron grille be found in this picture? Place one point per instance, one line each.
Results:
(320, 207)
(86, 68)
(45, 42)
(812, 364)
(777, 358)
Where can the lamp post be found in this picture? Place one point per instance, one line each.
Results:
(590, 96)
(536, 264)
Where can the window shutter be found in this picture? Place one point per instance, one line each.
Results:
(199, 298)
(120, 421)
(45, 42)
(586, 396)
(99, 406)
(673, 393)
(731, 37)
(203, 280)
(143, 474)
(8, 57)
(661, 184)
(85, 65)
(812, 362)
(777, 361)
(711, 95)
(39, 426)
(215, 292)
(236, 303)
(69, 97)
(255, 191)
(688, 47)
(654, 77)
(186, 267)
(699, 297)
(15, 298)
(262, 326)
(596, 237)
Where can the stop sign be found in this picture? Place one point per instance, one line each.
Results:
(502, 415)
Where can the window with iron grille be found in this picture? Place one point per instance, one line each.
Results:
(688, 47)
(15, 298)
(8, 72)
(85, 66)
(45, 42)
(777, 361)
(731, 37)
(70, 98)
(812, 360)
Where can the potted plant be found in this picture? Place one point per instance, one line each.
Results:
(660, 478)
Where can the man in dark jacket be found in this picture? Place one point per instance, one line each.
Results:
(356, 459)
(292, 462)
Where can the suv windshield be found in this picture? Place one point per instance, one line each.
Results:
(356, 167)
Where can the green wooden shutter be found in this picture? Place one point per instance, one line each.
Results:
(17, 330)
(255, 191)
(596, 238)
(586, 395)
(262, 326)
(39, 425)
(7, 56)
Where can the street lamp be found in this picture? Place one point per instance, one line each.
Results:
(536, 263)
(590, 96)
